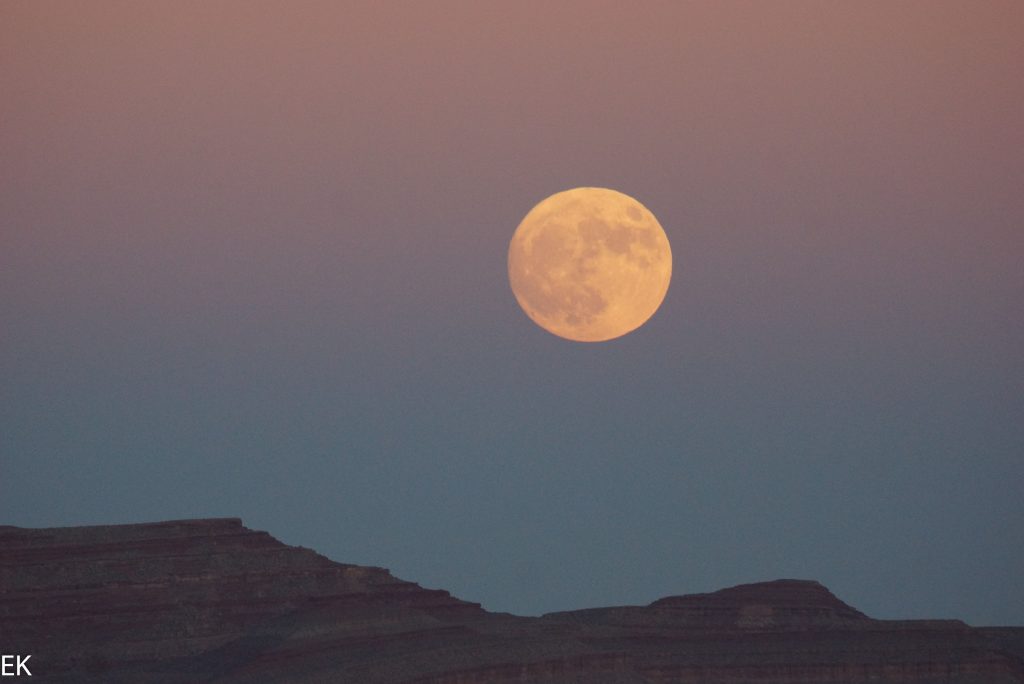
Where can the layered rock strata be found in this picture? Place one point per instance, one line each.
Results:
(213, 601)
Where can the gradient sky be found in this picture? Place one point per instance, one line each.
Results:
(253, 263)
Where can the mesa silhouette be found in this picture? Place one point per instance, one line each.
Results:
(213, 601)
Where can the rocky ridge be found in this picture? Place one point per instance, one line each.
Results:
(213, 601)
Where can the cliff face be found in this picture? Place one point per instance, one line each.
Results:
(210, 600)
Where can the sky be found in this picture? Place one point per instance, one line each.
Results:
(253, 263)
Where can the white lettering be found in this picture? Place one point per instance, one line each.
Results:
(14, 666)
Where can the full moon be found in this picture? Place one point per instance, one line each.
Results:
(589, 264)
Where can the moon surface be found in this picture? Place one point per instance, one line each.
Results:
(589, 264)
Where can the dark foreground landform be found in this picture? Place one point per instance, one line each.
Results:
(212, 601)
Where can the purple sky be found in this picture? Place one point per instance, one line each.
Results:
(252, 262)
